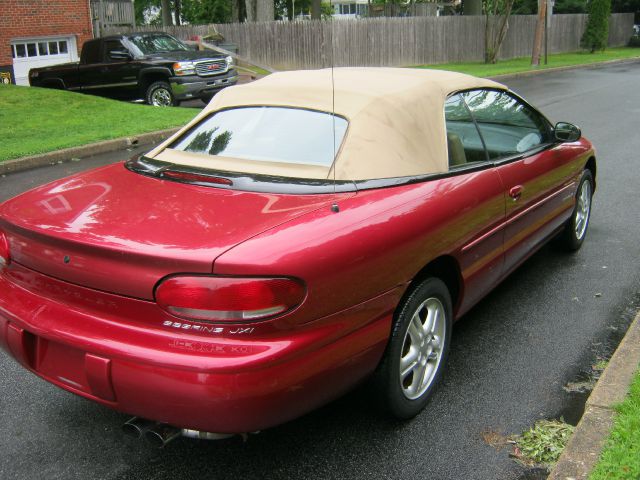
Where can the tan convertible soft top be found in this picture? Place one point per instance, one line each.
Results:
(396, 119)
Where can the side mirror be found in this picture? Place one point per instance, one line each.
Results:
(567, 132)
(120, 55)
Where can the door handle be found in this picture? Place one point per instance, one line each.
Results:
(516, 192)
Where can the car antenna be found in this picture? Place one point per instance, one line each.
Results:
(334, 207)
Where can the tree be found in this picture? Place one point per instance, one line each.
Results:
(530, 7)
(497, 14)
(525, 7)
(259, 10)
(597, 32)
(626, 6)
(570, 6)
(472, 7)
(238, 11)
(316, 11)
(165, 10)
(206, 11)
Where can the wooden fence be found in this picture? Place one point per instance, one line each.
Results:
(395, 41)
(110, 14)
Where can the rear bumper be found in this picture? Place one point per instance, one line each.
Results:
(215, 384)
(193, 86)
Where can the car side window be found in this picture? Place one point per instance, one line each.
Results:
(508, 126)
(464, 143)
(110, 45)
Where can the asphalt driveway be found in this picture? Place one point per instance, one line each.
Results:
(510, 355)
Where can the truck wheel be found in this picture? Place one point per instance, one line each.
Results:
(206, 98)
(416, 354)
(159, 94)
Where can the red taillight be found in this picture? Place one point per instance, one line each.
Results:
(229, 299)
(4, 250)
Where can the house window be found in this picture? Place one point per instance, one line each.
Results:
(39, 49)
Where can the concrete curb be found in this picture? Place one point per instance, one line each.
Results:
(586, 444)
(531, 73)
(66, 154)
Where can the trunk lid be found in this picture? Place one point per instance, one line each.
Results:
(118, 231)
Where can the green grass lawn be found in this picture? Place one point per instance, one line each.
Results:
(518, 65)
(38, 120)
(621, 457)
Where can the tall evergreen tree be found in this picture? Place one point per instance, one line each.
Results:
(596, 34)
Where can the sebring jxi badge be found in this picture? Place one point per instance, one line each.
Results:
(207, 329)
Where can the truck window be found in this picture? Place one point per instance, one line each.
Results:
(110, 45)
(91, 52)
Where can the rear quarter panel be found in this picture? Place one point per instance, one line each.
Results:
(379, 240)
(57, 76)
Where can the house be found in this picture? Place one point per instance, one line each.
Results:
(38, 33)
(404, 8)
(350, 8)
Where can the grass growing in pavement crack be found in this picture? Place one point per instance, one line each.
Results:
(543, 443)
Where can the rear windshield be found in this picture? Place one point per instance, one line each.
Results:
(270, 134)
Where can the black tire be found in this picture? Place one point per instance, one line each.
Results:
(160, 94)
(575, 230)
(394, 389)
(206, 98)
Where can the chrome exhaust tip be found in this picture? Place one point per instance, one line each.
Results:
(159, 435)
(136, 427)
(206, 435)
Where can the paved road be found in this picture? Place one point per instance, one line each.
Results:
(511, 354)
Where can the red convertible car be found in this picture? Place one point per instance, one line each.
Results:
(303, 233)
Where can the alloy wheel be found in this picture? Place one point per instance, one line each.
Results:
(161, 97)
(583, 209)
(422, 348)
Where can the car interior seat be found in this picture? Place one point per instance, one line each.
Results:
(456, 150)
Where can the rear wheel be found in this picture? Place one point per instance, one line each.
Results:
(414, 361)
(575, 230)
(159, 94)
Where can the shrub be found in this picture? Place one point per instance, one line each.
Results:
(597, 32)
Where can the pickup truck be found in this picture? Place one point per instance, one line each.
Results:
(152, 66)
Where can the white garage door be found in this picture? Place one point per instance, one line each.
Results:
(40, 52)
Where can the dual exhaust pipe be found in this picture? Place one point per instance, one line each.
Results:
(160, 434)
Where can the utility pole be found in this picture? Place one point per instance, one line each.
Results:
(537, 39)
(546, 33)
